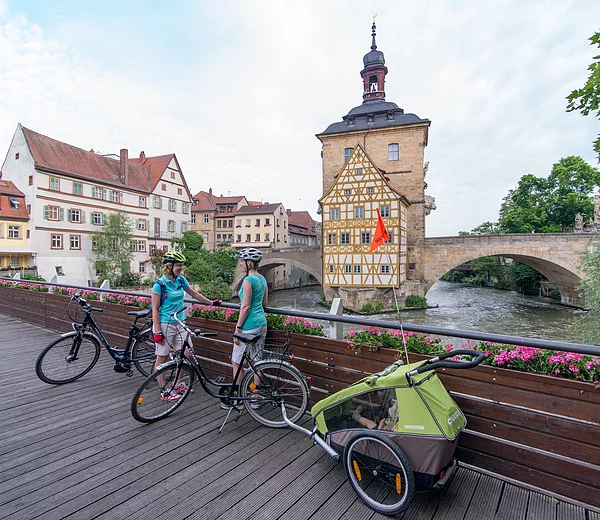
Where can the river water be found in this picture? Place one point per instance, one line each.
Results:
(462, 306)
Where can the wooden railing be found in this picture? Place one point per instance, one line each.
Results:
(537, 429)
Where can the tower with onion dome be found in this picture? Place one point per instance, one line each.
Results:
(392, 144)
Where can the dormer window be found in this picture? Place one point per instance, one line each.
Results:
(370, 118)
(391, 117)
(350, 121)
(14, 203)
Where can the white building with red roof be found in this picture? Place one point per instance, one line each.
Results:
(70, 191)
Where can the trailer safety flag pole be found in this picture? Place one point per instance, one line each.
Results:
(379, 237)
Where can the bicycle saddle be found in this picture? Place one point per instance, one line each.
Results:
(246, 338)
(139, 314)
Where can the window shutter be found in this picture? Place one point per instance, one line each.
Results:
(82, 217)
(61, 214)
(69, 215)
(104, 219)
(46, 212)
(121, 196)
(147, 225)
(160, 202)
(106, 194)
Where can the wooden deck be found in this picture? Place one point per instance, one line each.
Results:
(74, 451)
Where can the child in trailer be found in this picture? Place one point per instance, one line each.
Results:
(386, 423)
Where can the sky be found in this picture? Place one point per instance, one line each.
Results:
(237, 89)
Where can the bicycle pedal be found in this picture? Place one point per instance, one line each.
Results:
(130, 373)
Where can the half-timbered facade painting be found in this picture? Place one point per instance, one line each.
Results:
(349, 211)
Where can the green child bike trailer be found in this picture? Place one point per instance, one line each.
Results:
(396, 430)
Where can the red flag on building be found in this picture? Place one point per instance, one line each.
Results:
(380, 235)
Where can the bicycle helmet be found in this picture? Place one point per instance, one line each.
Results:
(250, 253)
(173, 256)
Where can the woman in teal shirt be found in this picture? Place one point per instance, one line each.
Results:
(253, 297)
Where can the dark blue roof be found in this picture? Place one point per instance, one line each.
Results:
(373, 114)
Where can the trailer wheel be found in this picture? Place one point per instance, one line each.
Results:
(379, 472)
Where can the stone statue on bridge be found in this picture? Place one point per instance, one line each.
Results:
(579, 223)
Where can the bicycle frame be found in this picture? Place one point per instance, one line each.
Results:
(204, 380)
(119, 355)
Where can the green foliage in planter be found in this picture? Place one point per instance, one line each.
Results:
(34, 278)
(416, 301)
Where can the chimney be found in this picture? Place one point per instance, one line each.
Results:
(124, 166)
(142, 156)
(210, 191)
(289, 212)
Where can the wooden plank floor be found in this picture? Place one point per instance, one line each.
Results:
(74, 451)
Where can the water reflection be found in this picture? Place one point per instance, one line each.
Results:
(462, 306)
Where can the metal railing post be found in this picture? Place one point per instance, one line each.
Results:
(336, 329)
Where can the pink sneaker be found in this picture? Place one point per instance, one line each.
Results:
(169, 396)
(180, 388)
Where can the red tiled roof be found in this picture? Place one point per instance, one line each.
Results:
(302, 218)
(64, 158)
(7, 212)
(258, 210)
(61, 157)
(8, 188)
(227, 200)
(204, 202)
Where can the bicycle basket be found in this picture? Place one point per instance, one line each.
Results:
(277, 344)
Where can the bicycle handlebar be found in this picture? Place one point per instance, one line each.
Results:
(83, 302)
(436, 362)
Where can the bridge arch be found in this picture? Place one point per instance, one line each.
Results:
(556, 256)
(306, 258)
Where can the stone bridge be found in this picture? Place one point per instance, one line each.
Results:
(308, 258)
(555, 255)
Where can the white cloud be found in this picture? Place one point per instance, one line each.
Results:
(238, 90)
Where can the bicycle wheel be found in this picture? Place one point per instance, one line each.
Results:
(269, 384)
(143, 354)
(379, 472)
(156, 398)
(67, 359)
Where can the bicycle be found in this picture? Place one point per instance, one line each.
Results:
(267, 389)
(74, 354)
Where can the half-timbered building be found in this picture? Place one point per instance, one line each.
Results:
(349, 221)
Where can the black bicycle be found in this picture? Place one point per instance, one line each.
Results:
(267, 387)
(75, 353)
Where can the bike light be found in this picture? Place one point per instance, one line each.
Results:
(292, 359)
(309, 380)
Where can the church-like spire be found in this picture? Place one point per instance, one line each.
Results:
(374, 72)
(373, 34)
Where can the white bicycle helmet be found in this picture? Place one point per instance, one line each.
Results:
(250, 253)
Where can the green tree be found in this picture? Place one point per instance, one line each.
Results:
(113, 246)
(486, 228)
(214, 272)
(587, 328)
(539, 205)
(587, 99)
